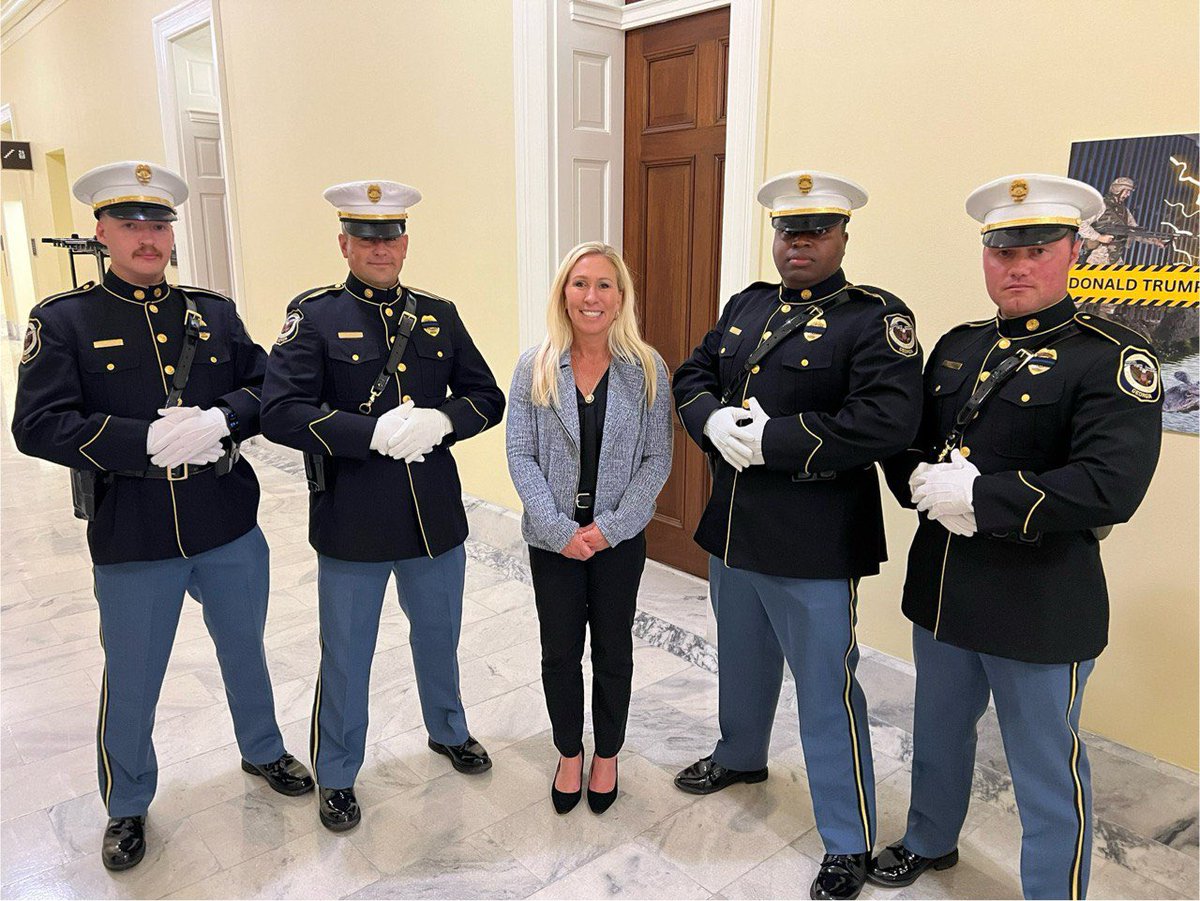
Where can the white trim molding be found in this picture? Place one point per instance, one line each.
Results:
(616, 14)
(19, 17)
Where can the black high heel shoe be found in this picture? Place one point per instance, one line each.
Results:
(601, 801)
(564, 802)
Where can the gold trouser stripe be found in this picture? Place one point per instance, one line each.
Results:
(417, 507)
(102, 725)
(808, 462)
(1041, 497)
(103, 425)
(318, 437)
(1077, 864)
(175, 516)
(846, 699)
(937, 620)
(314, 742)
(477, 413)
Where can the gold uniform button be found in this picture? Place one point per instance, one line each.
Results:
(169, 369)
(805, 294)
(722, 350)
(110, 367)
(937, 388)
(984, 376)
(406, 398)
(139, 294)
(212, 359)
(966, 452)
(1003, 344)
(1024, 398)
(804, 362)
(1085, 316)
(440, 353)
(786, 308)
(157, 292)
(153, 308)
(1032, 325)
(755, 370)
(162, 339)
(369, 292)
(766, 335)
(403, 367)
(745, 405)
(388, 311)
(353, 356)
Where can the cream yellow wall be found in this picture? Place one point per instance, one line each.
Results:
(922, 101)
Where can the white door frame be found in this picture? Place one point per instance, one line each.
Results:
(540, 185)
(168, 26)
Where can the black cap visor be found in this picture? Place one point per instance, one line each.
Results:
(1026, 235)
(147, 212)
(807, 222)
(373, 228)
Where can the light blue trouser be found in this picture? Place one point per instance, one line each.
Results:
(1038, 707)
(763, 620)
(140, 605)
(351, 598)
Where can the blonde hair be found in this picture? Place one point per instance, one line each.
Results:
(625, 340)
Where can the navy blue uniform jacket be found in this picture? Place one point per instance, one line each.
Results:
(334, 343)
(95, 370)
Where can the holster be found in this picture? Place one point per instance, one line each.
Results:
(314, 471)
(85, 489)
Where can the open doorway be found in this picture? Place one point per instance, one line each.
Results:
(189, 91)
(18, 284)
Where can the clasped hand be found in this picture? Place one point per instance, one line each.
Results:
(186, 435)
(408, 432)
(587, 541)
(945, 492)
(737, 433)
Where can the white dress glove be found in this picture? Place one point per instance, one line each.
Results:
(721, 428)
(387, 425)
(186, 435)
(419, 434)
(945, 489)
(751, 434)
(959, 524)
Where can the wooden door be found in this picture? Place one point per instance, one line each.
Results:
(675, 76)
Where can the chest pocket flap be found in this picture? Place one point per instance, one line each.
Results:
(354, 351)
(108, 359)
(801, 355)
(730, 342)
(438, 348)
(1027, 390)
(943, 381)
(218, 353)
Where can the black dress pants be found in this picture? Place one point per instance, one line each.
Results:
(571, 596)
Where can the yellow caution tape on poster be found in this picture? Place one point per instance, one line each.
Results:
(1146, 286)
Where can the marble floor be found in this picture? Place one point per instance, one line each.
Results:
(428, 832)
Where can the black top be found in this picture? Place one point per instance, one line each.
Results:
(1067, 444)
(842, 392)
(591, 432)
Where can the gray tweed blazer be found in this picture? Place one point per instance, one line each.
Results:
(543, 453)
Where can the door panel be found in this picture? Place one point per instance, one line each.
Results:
(675, 77)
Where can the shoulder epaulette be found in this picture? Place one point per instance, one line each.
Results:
(1116, 332)
(874, 293)
(753, 285)
(206, 291)
(86, 286)
(975, 323)
(315, 293)
(431, 296)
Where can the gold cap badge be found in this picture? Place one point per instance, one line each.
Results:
(143, 173)
(374, 193)
(804, 183)
(1018, 190)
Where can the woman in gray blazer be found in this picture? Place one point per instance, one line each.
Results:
(589, 448)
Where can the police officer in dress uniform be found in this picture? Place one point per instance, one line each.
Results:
(795, 519)
(1005, 588)
(172, 507)
(391, 502)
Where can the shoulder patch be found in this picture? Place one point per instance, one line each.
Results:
(421, 292)
(314, 293)
(291, 326)
(1138, 375)
(86, 286)
(33, 340)
(901, 334)
(1114, 331)
(205, 291)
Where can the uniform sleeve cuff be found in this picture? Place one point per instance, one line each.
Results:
(344, 434)
(119, 444)
(694, 412)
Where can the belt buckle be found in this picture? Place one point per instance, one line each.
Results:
(582, 494)
(173, 478)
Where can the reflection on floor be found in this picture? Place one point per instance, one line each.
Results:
(427, 831)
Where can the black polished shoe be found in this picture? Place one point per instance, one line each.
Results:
(601, 801)
(564, 802)
(339, 809)
(470, 757)
(841, 876)
(124, 843)
(896, 866)
(705, 777)
(287, 775)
